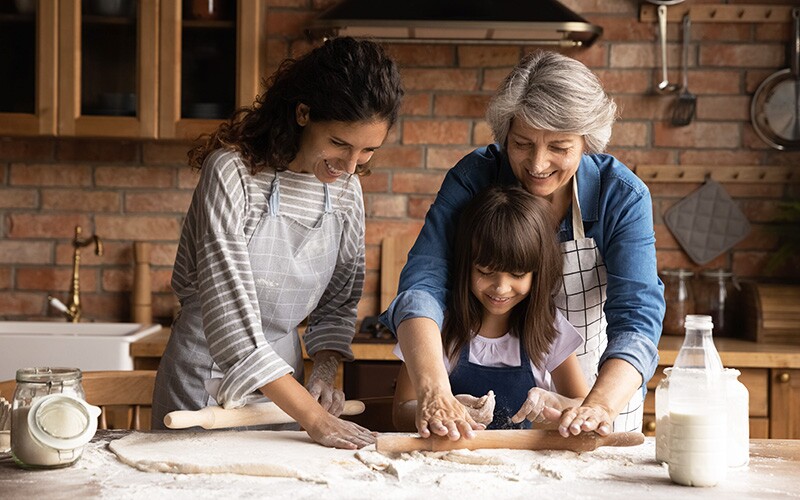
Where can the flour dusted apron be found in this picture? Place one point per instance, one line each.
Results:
(582, 299)
(509, 383)
(292, 264)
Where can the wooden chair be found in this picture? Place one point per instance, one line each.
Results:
(125, 397)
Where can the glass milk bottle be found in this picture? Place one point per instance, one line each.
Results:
(738, 410)
(697, 411)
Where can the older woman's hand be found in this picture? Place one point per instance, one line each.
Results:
(321, 383)
(442, 414)
(586, 418)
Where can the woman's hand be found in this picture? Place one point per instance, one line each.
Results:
(586, 418)
(337, 433)
(442, 414)
(543, 406)
(320, 383)
(480, 409)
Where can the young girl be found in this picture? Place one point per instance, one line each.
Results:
(504, 342)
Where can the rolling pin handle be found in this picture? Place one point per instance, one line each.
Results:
(183, 419)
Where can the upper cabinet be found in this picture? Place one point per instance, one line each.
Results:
(129, 68)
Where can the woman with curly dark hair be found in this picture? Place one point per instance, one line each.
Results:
(275, 235)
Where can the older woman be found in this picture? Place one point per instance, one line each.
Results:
(551, 119)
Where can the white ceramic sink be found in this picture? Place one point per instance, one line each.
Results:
(88, 346)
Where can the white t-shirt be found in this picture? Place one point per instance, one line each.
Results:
(504, 351)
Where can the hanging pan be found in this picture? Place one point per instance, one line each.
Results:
(775, 109)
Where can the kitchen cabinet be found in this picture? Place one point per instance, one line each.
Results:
(131, 68)
(771, 373)
(784, 403)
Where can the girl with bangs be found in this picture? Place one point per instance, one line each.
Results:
(505, 345)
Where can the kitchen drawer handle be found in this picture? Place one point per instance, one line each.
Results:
(783, 377)
(650, 426)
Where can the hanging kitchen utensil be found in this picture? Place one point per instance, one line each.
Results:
(685, 104)
(664, 86)
(707, 222)
(775, 108)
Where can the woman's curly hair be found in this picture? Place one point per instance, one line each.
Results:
(344, 80)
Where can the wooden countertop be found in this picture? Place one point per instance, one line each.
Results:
(605, 473)
(734, 352)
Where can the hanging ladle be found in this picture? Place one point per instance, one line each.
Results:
(664, 86)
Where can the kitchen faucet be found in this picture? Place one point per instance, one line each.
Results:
(73, 310)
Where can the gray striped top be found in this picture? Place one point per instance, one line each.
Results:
(213, 261)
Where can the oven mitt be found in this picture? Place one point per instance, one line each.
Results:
(707, 222)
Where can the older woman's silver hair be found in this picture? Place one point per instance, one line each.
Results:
(550, 91)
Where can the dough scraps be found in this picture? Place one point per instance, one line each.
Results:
(254, 453)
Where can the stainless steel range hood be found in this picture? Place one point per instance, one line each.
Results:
(528, 22)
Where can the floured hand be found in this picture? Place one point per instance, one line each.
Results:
(337, 433)
(321, 382)
(543, 406)
(585, 418)
(442, 414)
(480, 409)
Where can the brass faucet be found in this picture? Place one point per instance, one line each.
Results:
(73, 309)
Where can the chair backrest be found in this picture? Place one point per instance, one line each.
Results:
(394, 253)
(132, 390)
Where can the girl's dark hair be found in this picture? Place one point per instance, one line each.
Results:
(344, 80)
(506, 229)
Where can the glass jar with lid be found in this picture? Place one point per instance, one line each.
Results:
(50, 420)
(679, 299)
(714, 293)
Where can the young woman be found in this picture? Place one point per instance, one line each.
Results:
(503, 339)
(275, 235)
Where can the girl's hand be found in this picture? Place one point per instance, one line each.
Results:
(480, 409)
(585, 418)
(539, 401)
(442, 414)
(337, 433)
(321, 383)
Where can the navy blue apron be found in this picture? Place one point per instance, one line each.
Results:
(509, 383)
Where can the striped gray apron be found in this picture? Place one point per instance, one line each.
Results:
(581, 299)
(292, 264)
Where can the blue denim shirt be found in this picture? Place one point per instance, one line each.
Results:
(617, 212)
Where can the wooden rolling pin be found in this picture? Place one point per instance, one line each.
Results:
(217, 417)
(516, 439)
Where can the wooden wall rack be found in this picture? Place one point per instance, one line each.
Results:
(716, 13)
(771, 174)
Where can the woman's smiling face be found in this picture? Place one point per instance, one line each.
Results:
(331, 149)
(543, 161)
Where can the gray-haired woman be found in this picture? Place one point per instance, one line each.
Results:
(551, 119)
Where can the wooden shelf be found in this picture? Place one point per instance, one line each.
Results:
(769, 174)
(715, 13)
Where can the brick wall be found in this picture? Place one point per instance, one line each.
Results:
(139, 190)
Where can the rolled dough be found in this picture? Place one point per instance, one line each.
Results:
(254, 453)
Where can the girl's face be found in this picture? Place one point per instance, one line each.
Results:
(332, 149)
(544, 161)
(498, 291)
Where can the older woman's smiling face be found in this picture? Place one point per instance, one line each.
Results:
(544, 161)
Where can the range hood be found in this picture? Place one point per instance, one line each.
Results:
(528, 22)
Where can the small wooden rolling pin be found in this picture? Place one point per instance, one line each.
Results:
(517, 439)
(217, 417)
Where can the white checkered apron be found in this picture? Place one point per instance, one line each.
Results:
(581, 300)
